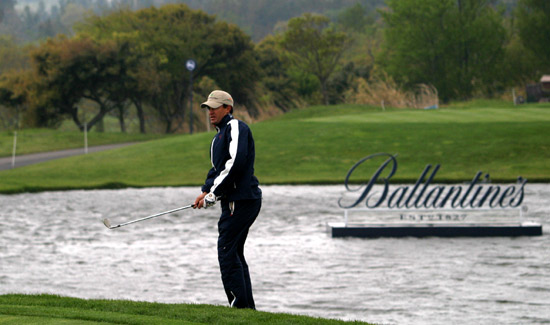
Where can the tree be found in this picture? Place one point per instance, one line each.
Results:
(259, 17)
(163, 39)
(12, 56)
(315, 47)
(453, 45)
(5, 6)
(72, 13)
(354, 18)
(69, 70)
(280, 88)
(533, 23)
(15, 95)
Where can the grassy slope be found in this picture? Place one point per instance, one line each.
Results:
(320, 144)
(505, 142)
(42, 140)
(50, 309)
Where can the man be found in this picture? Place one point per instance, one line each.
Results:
(231, 180)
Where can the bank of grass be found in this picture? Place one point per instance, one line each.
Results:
(319, 144)
(43, 140)
(51, 309)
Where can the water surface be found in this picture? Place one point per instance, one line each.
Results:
(56, 243)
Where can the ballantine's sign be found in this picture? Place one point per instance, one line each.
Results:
(421, 196)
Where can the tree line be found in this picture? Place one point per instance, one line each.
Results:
(38, 19)
(134, 60)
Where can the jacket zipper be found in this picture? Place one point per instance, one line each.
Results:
(212, 149)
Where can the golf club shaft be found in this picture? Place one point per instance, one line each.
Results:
(154, 216)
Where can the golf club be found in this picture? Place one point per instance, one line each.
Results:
(107, 222)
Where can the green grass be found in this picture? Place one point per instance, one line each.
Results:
(319, 145)
(43, 140)
(442, 116)
(51, 309)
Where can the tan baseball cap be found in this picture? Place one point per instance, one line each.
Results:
(217, 98)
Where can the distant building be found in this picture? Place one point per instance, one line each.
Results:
(539, 92)
(545, 83)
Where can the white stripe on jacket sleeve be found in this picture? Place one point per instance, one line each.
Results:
(233, 145)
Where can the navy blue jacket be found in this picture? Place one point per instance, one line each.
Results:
(232, 154)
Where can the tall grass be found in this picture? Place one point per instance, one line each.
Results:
(384, 91)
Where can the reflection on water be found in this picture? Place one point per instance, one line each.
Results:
(56, 243)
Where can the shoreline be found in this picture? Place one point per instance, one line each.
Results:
(122, 186)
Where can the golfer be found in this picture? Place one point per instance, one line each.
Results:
(231, 181)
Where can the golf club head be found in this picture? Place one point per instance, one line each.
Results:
(107, 223)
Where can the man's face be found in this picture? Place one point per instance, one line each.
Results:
(217, 114)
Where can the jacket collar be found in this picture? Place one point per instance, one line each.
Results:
(224, 121)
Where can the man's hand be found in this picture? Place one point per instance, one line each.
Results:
(199, 201)
(209, 200)
(205, 200)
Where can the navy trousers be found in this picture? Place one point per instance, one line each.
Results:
(233, 226)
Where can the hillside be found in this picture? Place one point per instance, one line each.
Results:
(320, 144)
(257, 17)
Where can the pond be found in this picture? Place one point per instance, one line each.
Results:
(55, 242)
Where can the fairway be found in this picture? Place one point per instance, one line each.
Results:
(445, 115)
(318, 145)
(44, 140)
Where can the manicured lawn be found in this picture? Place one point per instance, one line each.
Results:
(320, 144)
(42, 140)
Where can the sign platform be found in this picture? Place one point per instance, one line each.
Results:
(374, 230)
